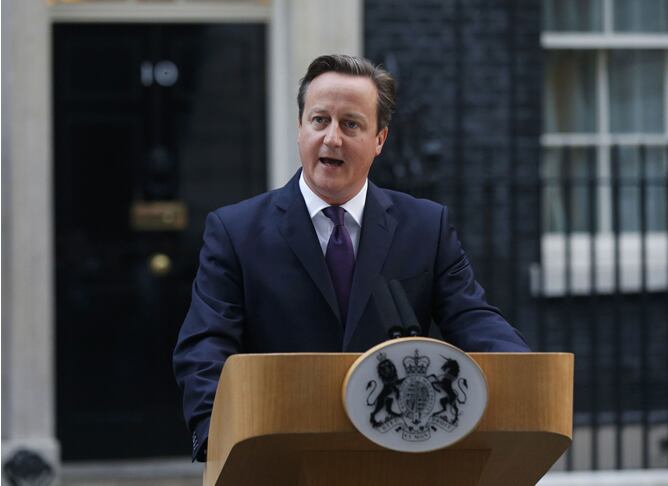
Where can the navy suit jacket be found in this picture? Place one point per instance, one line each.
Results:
(263, 286)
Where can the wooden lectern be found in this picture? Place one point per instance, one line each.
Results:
(278, 419)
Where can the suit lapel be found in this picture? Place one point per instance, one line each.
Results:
(297, 229)
(378, 228)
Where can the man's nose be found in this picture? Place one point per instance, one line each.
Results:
(333, 136)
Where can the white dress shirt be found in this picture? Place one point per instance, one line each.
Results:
(323, 225)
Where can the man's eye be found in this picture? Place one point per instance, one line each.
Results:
(351, 124)
(319, 120)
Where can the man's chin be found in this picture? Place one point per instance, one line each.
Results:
(331, 186)
(331, 194)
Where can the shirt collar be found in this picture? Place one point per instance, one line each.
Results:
(354, 207)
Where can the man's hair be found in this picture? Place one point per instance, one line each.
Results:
(354, 66)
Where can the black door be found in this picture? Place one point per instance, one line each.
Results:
(154, 126)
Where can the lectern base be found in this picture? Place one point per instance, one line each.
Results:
(376, 468)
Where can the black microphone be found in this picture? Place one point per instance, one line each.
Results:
(406, 313)
(387, 309)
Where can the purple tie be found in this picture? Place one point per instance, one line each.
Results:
(340, 258)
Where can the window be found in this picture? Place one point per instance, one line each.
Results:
(604, 167)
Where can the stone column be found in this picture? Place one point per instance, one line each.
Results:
(301, 30)
(28, 410)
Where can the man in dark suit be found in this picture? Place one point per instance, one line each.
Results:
(293, 270)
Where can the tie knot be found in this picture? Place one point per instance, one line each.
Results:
(335, 213)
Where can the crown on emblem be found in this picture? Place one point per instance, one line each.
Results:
(416, 364)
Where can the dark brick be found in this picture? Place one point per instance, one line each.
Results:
(470, 78)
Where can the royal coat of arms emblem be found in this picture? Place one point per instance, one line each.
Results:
(433, 398)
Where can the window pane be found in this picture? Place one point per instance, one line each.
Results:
(641, 15)
(637, 167)
(572, 15)
(637, 102)
(553, 204)
(570, 92)
(568, 176)
(629, 189)
(657, 182)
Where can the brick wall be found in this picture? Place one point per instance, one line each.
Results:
(466, 132)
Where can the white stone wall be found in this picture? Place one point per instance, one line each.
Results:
(301, 31)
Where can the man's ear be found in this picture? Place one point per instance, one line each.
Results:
(380, 140)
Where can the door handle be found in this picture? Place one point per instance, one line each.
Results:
(160, 264)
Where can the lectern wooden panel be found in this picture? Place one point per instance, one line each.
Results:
(279, 419)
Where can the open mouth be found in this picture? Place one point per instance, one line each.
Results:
(331, 162)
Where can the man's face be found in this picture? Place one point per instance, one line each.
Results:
(338, 137)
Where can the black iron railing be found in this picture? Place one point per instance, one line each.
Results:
(577, 258)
